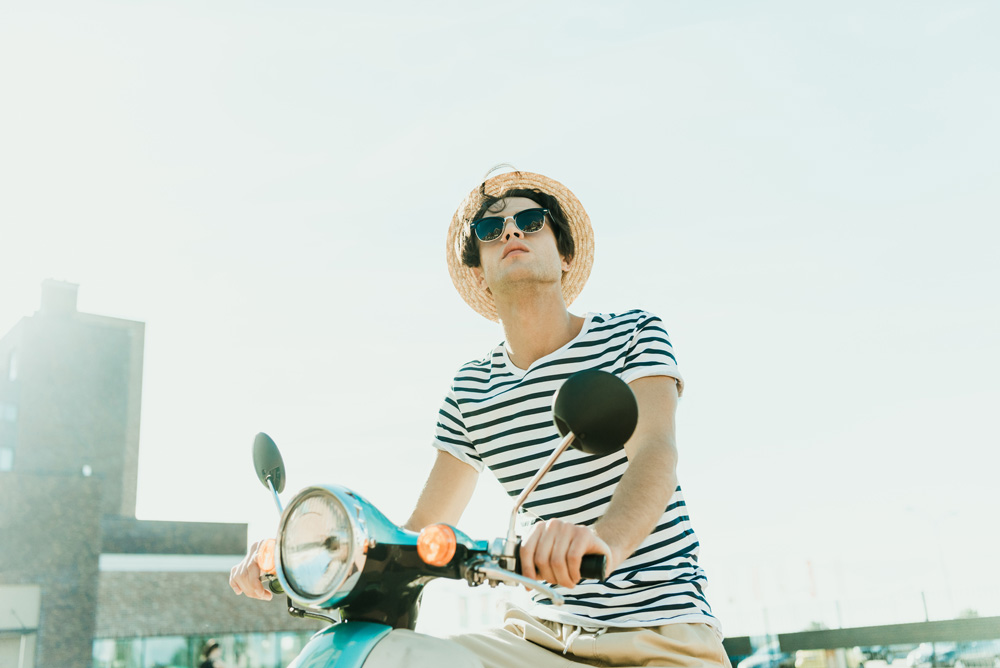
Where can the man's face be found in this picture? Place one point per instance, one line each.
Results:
(516, 258)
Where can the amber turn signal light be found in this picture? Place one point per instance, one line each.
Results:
(265, 557)
(436, 544)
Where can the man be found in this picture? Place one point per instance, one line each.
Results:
(520, 249)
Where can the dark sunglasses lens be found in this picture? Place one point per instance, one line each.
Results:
(530, 220)
(488, 229)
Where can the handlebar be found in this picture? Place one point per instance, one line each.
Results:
(592, 566)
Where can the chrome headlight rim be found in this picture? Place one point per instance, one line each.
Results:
(358, 546)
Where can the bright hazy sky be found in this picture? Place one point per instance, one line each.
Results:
(804, 192)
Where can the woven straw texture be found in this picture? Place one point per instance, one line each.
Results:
(464, 277)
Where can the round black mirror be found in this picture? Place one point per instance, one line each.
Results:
(267, 462)
(599, 408)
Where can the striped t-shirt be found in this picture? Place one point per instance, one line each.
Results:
(500, 416)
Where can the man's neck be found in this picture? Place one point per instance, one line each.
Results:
(536, 326)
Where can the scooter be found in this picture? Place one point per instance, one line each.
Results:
(339, 559)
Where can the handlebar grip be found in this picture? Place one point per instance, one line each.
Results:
(272, 583)
(592, 566)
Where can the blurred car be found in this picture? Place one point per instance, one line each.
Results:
(829, 658)
(811, 658)
(894, 652)
(887, 653)
(875, 653)
(981, 654)
(768, 656)
(932, 655)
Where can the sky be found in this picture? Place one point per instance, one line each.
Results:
(804, 192)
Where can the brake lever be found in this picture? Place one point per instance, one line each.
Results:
(270, 580)
(495, 573)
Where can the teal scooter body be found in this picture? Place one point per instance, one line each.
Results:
(347, 644)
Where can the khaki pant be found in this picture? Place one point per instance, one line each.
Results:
(530, 642)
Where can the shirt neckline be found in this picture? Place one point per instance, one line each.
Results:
(518, 371)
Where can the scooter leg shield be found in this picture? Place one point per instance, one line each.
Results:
(346, 645)
(402, 647)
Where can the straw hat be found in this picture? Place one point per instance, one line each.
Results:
(464, 277)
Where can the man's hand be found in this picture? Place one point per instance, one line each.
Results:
(245, 576)
(554, 549)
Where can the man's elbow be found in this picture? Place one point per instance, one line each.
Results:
(660, 453)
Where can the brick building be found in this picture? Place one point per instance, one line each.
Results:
(82, 581)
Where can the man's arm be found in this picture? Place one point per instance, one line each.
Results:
(446, 493)
(554, 549)
(651, 478)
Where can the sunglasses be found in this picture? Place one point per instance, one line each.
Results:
(528, 221)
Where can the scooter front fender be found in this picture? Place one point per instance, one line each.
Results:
(345, 645)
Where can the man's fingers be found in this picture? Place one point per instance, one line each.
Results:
(232, 580)
(253, 585)
(265, 593)
(560, 562)
(550, 552)
(233, 577)
(554, 552)
(574, 556)
(527, 554)
(244, 578)
(543, 552)
(254, 588)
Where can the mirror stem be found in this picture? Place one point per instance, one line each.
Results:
(508, 550)
(277, 501)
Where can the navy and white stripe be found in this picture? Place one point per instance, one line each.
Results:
(499, 416)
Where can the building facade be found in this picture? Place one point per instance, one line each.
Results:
(82, 581)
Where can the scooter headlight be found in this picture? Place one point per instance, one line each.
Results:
(320, 546)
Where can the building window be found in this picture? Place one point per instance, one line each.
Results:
(8, 412)
(12, 365)
(6, 459)
(260, 650)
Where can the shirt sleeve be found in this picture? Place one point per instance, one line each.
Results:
(451, 436)
(650, 353)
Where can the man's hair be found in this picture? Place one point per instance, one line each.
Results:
(560, 227)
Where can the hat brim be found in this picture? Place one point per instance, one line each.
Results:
(464, 277)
